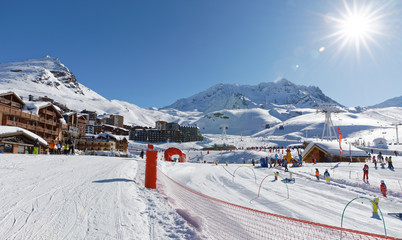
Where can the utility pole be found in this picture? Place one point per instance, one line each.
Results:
(396, 128)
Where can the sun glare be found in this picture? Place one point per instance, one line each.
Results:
(357, 25)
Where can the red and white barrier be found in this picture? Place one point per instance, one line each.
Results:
(217, 219)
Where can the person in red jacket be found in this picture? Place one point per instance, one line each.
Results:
(383, 188)
(365, 172)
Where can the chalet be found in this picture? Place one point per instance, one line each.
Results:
(103, 142)
(110, 129)
(330, 152)
(19, 140)
(121, 142)
(43, 119)
(110, 119)
(76, 124)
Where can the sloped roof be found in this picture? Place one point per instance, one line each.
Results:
(8, 130)
(333, 149)
(15, 95)
(117, 137)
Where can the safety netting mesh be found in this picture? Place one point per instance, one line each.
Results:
(216, 219)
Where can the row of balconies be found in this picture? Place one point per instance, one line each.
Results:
(31, 127)
(27, 115)
(7, 102)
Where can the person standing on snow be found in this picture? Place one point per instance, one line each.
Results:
(276, 159)
(375, 162)
(317, 174)
(383, 188)
(326, 175)
(365, 172)
(390, 166)
(36, 146)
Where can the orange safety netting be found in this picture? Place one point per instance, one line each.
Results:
(217, 219)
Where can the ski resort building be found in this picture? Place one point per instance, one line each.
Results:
(106, 142)
(19, 140)
(41, 118)
(331, 152)
(166, 132)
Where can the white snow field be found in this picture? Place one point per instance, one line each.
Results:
(88, 197)
(82, 197)
(309, 199)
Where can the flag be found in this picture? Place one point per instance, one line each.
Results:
(340, 140)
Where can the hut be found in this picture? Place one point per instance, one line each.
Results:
(19, 140)
(331, 152)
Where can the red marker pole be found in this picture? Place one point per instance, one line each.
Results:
(150, 167)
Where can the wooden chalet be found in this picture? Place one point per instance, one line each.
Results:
(43, 120)
(76, 124)
(19, 140)
(104, 142)
(331, 152)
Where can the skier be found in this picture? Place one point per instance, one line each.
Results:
(317, 174)
(276, 159)
(36, 146)
(65, 147)
(383, 188)
(326, 175)
(142, 153)
(390, 166)
(285, 164)
(252, 161)
(375, 162)
(365, 172)
(375, 207)
(300, 160)
(52, 147)
(59, 147)
(276, 175)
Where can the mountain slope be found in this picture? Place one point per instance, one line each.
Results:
(47, 76)
(393, 102)
(264, 95)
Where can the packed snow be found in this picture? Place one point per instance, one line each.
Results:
(79, 197)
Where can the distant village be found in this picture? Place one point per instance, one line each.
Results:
(50, 123)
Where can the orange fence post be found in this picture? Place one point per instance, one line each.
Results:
(150, 167)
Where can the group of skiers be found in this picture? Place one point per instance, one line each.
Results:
(326, 175)
(382, 161)
(59, 147)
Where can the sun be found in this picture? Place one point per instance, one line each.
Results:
(357, 25)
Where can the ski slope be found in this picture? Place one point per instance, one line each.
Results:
(82, 197)
(309, 199)
(88, 197)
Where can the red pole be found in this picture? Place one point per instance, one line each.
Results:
(150, 167)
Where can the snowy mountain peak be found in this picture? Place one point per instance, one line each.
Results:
(264, 95)
(46, 70)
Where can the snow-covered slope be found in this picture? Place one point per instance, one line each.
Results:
(264, 95)
(47, 76)
(393, 102)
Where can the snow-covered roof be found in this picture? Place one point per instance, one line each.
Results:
(117, 137)
(5, 130)
(103, 116)
(333, 148)
(69, 113)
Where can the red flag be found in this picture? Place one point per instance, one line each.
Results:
(340, 140)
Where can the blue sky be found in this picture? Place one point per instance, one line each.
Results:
(152, 53)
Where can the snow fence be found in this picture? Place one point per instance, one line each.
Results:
(217, 219)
